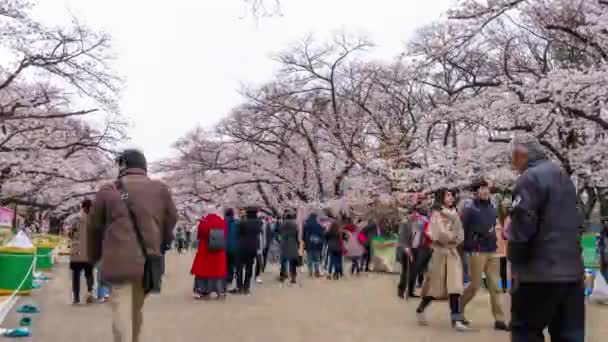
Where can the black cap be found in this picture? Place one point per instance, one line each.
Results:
(132, 159)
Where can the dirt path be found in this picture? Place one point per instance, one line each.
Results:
(353, 310)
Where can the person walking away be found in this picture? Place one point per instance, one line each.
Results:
(354, 248)
(412, 252)
(371, 231)
(334, 249)
(313, 236)
(180, 236)
(480, 245)
(259, 258)
(117, 246)
(188, 236)
(290, 244)
(249, 230)
(445, 277)
(80, 256)
(544, 250)
(268, 238)
(232, 241)
(209, 266)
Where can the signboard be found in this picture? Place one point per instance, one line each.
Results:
(6, 217)
(590, 252)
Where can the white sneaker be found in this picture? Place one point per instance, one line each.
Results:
(258, 280)
(421, 318)
(460, 326)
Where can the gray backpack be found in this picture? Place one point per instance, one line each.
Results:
(217, 240)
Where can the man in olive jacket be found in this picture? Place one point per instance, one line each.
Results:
(117, 247)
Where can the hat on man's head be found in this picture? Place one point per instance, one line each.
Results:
(132, 159)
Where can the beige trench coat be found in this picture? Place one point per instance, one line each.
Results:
(446, 274)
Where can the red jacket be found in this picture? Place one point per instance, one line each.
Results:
(209, 264)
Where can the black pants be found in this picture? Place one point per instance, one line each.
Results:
(265, 257)
(259, 264)
(231, 268)
(414, 270)
(292, 264)
(77, 268)
(503, 273)
(366, 258)
(244, 271)
(559, 306)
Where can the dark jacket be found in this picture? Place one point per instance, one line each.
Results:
(112, 229)
(334, 242)
(479, 223)
(250, 229)
(546, 225)
(232, 239)
(603, 248)
(290, 240)
(313, 234)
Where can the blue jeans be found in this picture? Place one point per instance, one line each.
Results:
(335, 263)
(103, 287)
(313, 258)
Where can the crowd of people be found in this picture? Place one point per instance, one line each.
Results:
(445, 252)
(246, 243)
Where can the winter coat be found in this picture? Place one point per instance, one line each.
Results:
(479, 223)
(233, 235)
(313, 234)
(334, 242)
(116, 244)
(209, 264)
(250, 229)
(445, 275)
(603, 248)
(290, 241)
(545, 226)
(80, 243)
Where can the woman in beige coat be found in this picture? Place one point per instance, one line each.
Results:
(445, 277)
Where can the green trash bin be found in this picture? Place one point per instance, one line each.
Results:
(17, 270)
(44, 260)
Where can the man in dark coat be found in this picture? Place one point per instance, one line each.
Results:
(313, 244)
(544, 250)
(250, 229)
(412, 252)
(231, 244)
(290, 244)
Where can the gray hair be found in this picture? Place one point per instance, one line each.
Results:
(531, 144)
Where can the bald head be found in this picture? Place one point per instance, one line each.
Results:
(525, 150)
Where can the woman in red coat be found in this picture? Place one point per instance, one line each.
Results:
(209, 266)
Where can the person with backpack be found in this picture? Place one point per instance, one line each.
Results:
(209, 266)
(232, 240)
(479, 218)
(290, 247)
(313, 237)
(249, 229)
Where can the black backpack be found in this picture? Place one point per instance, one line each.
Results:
(217, 239)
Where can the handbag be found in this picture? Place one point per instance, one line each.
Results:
(153, 266)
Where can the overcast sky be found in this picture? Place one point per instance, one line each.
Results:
(185, 60)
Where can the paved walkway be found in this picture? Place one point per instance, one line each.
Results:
(353, 310)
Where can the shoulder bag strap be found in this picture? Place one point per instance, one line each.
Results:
(124, 196)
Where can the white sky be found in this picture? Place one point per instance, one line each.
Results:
(185, 60)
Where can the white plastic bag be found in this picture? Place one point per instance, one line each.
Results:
(20, 241)
(600, 290)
